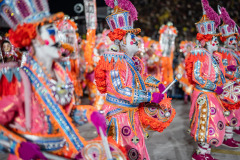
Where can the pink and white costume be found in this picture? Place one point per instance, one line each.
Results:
(206, 113)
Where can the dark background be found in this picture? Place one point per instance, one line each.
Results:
(153, 13)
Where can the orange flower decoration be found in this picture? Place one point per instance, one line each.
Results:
(206, 38)
(23, 35)
(117, 34)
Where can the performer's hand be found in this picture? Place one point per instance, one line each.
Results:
(99, 121)
(219, 90)
(28, 151)
(161, 88)
(157, 97)
(78, 156)
(231, 68)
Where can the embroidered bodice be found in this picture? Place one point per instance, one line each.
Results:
(208, 71)
(125, 84)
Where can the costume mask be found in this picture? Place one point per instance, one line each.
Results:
(49, 41)
(129, 44)
(212, 45)
(231, 42)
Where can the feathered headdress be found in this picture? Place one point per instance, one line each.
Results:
(211, 14)
(122, 18)
(228, 28)
(226, 18)
(126, 5)
(208, 24)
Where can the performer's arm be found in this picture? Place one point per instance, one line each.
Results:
(121, 91)
(199, 79)
(152, 82)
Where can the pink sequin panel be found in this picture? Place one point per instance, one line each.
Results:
(121, 21)
(38, 5)
(8, 13)
(22, 6)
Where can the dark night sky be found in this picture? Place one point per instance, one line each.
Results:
(67, 6)
(153, 13)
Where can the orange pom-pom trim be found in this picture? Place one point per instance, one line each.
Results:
(154, 123)
(23, 35)
(101, 70)
(190, 59)
(231, 106)
(117, 34)
(224, 38)
(206, 38)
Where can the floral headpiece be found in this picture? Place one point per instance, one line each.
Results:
(121, 19)
(208, 24)
(23, 16)
(228, 28)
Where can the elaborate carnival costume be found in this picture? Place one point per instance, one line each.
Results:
(185, 48)
(153, 61)
(168, 34)
(9, 53)
(36, 100)
(119, 74)
(231, 61)
(206, 71)
(70, 61)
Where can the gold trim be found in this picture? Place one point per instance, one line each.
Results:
(134, 31)
(204, 19)
(117, 10)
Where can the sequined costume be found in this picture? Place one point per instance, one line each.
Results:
(125, 91)
(207, 121)
(230, 57)
(185, 48)
(205, 70)
(231, 95)
(168, 34)
(37, 108)
(119, 74)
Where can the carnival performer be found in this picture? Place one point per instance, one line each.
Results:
(239, 41)
(231, 62)
(9, 53)
(70, 59)
(36, 101)
(119, 74)
(153, 61)
(102, 44)
(168, 34)
(185, 48)
(205, 70)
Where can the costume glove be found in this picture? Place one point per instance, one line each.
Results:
(231, 68)
(99, 121)
(157, 97)
(219, 90)
(161, 88)
(28, 151)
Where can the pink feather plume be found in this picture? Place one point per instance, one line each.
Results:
(211, 14)
(226, 18)
(126, 5)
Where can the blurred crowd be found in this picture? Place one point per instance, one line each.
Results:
(183, 14)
